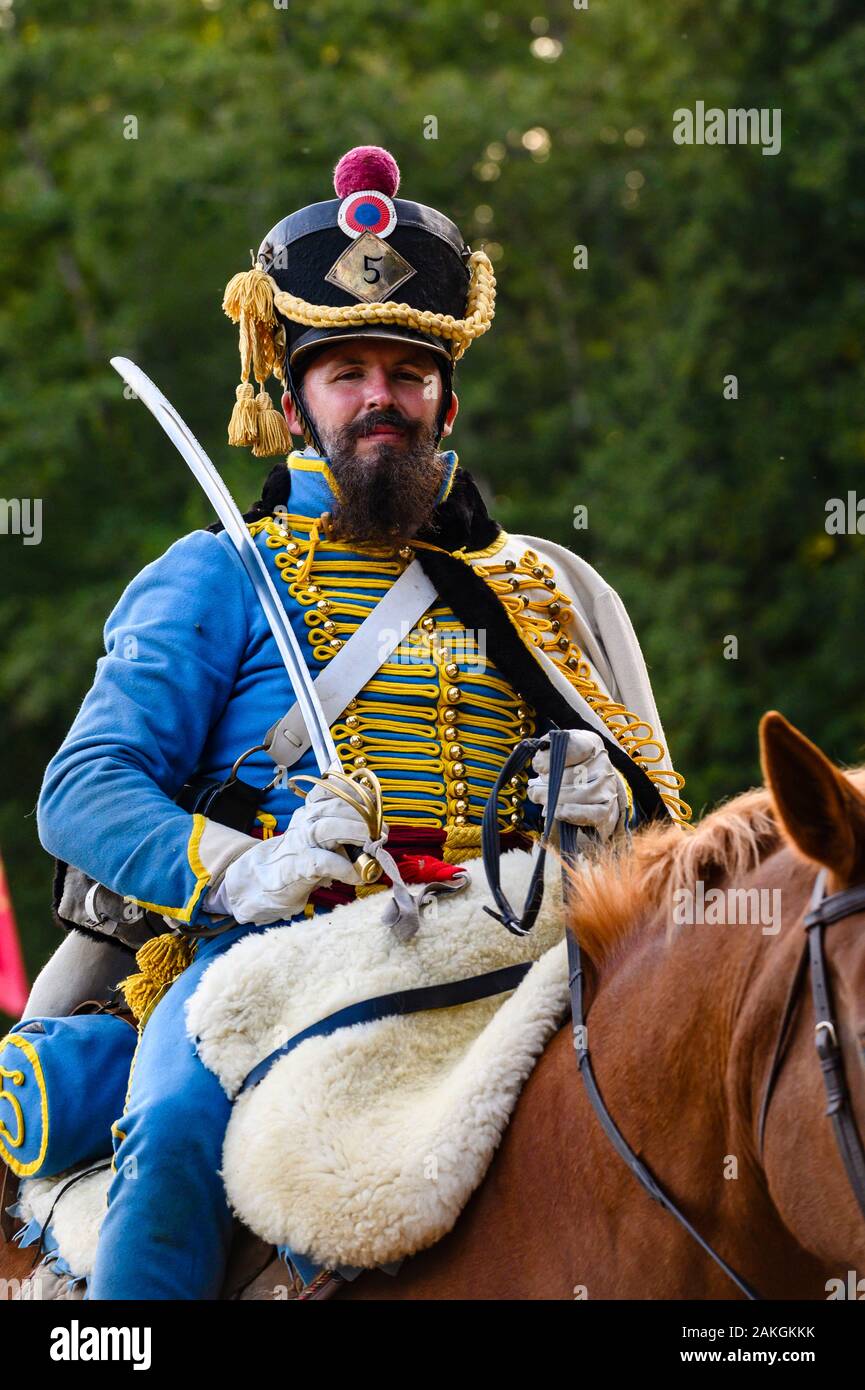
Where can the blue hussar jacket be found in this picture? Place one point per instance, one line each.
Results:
(192, 678)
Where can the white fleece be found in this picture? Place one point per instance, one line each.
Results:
(363, 1147)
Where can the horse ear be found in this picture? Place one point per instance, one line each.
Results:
(821, 810)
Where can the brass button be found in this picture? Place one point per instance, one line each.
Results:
(427, 624)
(324, 606)
(515, 819)
(573, 662)
(292, 547)
(454, 734)
(406, 552)
(522, 712)
(329, 625)
(555, 625)
(460, 788)
(549, 583)
(510, 564)
(461, 806)
(554, 609)
(450, 716)
(313, 589)
(563, 643)
(514, 583)
(360, 761)
(458, 769)
(336, 643)
(459, 820)
(524, 600)
(352, 704)
(356, 741)
(452, 669)
(453, 694)
(537, 572)
(524, 730)
(352, 721)
(455, 751)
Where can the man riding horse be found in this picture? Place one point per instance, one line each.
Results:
(360, 306)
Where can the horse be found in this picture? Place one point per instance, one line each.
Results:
(684, 1011)
(682, 1024)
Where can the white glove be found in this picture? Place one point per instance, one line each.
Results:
(592, 793)
(272, 881)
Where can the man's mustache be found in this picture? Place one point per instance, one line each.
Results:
(359, 429)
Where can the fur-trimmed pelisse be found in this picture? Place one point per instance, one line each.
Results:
(286, 301)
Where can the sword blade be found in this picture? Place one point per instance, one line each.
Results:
(228, 512)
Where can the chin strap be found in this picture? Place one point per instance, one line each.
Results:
(310, 433)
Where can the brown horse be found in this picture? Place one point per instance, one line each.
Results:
(682, 1027)
(685, 1008)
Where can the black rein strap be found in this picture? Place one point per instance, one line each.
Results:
(823, 912)
(558, 741)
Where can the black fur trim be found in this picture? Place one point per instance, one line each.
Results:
(461, 521)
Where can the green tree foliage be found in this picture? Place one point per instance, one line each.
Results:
(601, 387)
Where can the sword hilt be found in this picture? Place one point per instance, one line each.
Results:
(362, 790)
(368, 868)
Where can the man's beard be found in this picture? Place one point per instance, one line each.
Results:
(387, 493)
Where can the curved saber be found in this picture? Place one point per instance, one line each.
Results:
(226, 509)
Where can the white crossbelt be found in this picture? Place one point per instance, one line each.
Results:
(357, 661)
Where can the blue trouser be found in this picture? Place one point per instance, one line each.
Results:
(168, 1226)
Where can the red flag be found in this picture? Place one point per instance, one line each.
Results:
(13, 981)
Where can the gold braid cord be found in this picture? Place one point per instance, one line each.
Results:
(480, 308)
(250, 300)
(543, 622)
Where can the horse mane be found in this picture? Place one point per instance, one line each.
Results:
(629, 886)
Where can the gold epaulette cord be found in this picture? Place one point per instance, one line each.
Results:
(542, 623)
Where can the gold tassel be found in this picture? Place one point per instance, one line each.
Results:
(250, 292)
(272, 432)
(243, 425)
(254, 423)
(160, 962)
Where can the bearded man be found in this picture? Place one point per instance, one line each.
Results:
(514, 636)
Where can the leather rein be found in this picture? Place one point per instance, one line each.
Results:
(822, 912)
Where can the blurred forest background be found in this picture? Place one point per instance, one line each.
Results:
(601, 387)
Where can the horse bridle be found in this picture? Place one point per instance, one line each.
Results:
(822, 912)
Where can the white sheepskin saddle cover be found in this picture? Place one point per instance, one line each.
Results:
(363, 1147)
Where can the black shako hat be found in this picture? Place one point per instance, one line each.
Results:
(364, 264)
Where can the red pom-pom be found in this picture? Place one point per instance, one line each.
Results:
(366, 167)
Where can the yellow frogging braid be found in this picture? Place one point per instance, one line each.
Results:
(160, 962)
(462, 842)
(541, 612)
(250, 299)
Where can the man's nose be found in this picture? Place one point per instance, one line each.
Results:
(379, 392)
